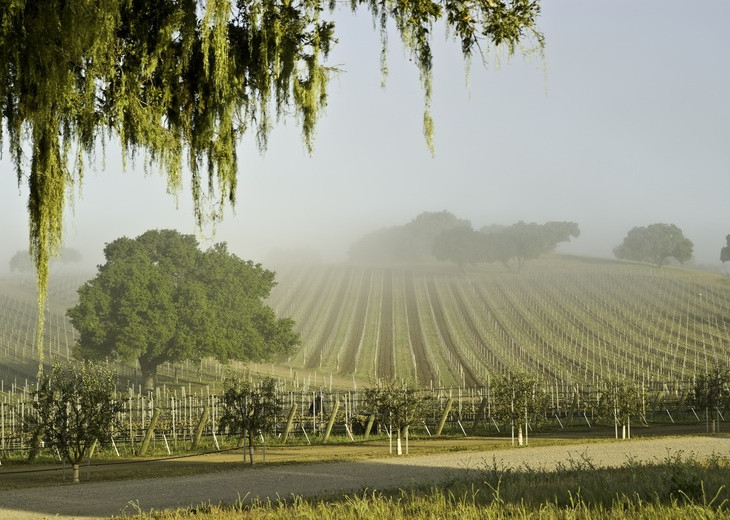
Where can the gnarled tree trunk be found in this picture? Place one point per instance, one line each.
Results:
(149, 374)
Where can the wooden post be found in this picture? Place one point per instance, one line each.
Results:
(442, 422)
(369, 426)
(331, 422)
(201, 425)
(480, 412)
(289, 422)
(150, 432)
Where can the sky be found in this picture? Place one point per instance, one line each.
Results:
(624, 122)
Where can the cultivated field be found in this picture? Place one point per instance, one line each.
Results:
(564, 319)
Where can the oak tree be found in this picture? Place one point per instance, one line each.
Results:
(655, 244)
(725, 251)
(158, 298)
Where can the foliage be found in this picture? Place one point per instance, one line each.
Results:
(21, 261)
(460, 245)
(519, 242)
(518, 397)
(158, 299)
(250, 408)
(75, 408)
(711, 390)
(410, 243)
(397, 404)
(655, 244)
(725, 251)
(619, 401)
(183, 81)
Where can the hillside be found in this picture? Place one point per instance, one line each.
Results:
(567, 319)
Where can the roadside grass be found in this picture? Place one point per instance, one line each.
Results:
(676, 487)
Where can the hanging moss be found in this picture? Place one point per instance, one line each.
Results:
(181, 81)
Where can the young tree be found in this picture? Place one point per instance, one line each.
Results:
(158, 299)
(75, 409)
(655, 244)
(250, 408)
(518, 401)
(619, 401)
(397, 405)
(711, 390)
(186, 80)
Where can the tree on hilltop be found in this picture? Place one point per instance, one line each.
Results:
(519, 242)
(183, 81)
(725, 251)
(158, 298)
(409, 243)
(655, 244)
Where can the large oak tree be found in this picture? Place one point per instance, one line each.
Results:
(159, 298)
(655, 243)
(182, 80)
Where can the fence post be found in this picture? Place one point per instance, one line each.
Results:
(289, 422)
(371, 421)
(201, 425)
(331, 422)
(480, 412)
(449, 403)
(150, 432)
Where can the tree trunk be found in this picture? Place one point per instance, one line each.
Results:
(149, 375)
(76, 473)
(250, 447)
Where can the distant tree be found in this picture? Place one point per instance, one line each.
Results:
(75, 409)
(21, 262)
(250, 408)
(655, 244)
(725, 251)
(526, 241)
(461, 244)
(159, 299)
(410, 243)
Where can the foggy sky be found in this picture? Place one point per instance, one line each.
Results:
(626, 122)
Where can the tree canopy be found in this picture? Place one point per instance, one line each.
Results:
(655, 243)
(75, 408)
(518, 243)
(725, 251)
(409, 243)
(182, 81)
(159, 298)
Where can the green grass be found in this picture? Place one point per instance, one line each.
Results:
(677, 487)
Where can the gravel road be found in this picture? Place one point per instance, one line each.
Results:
(106, 499)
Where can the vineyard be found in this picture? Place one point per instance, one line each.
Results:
(563, 319)
(573, 324)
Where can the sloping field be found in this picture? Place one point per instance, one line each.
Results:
(566, 319)
(563, 318)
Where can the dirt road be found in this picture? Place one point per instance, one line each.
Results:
(105, 499)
